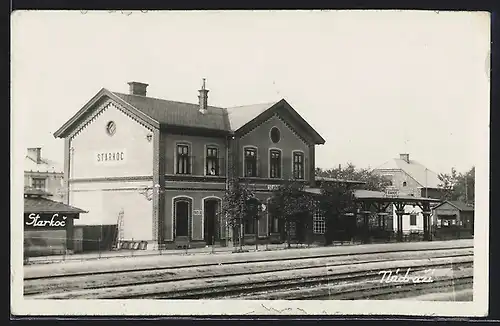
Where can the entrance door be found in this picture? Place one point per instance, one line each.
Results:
(181, 218)
(210, 220)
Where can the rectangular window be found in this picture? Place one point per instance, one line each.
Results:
(292, 229)
(319, 225)
(212, 161)
(298, 165)
(38, 183)
(183, 160)
(250, 162)
(413, 219)
(275, 163)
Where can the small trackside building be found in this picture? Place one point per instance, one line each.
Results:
(48, 224)
(453, 218)
(158, 169)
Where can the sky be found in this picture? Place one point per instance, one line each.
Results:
(374, 84)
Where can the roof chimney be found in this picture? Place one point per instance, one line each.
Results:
(136, 88)
(203, 98)
(35, 154)
(405, 157)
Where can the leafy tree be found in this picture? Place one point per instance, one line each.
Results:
(373, 180)
(235, 206)
(458, 186)
(335, 201)
(447, 184)
(291, 204)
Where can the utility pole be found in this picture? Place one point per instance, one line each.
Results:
(426, 183)
(466, 194)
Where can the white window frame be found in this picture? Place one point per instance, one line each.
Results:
(243, 163)
(269, 162)
(303, 163)
(319, 223)
(207, 146)
(190, 156)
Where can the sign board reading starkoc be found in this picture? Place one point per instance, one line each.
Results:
(45, 220)
(110, 157)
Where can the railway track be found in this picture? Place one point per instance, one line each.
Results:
(126, 278)
(297, 278)
(345, 285)
(158, 263)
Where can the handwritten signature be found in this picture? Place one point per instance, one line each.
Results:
(390, 277)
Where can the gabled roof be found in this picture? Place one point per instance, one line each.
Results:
(461, 206)
(178, 113)
(425, 177)
(159, 112)
(86, 110)
(36, 204)
(242, 116)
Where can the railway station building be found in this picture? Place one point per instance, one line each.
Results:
(158, 169)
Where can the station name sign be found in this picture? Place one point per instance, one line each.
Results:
(45, 220)
(272, 187)
(110, 157)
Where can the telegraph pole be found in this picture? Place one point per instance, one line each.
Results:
(466, 194)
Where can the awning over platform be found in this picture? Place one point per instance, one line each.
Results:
(380, 196)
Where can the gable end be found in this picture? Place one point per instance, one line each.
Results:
(94, 114)
(86, 113)
(281, 113)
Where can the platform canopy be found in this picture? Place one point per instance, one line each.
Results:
(35, 202)
(382, 197)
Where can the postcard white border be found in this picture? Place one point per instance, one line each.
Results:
(21, 306)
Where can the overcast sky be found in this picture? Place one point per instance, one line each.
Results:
(373, 84)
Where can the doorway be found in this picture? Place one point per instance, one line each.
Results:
(211, 212)
(182, 218)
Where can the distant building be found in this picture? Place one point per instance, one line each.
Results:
(43, 174)
(452, 216)
(410, 178)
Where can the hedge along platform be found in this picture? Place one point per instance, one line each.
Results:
(48, 225)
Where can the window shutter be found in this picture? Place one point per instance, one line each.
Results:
(258, 171)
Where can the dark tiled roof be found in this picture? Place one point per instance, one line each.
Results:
(326, 179)
(36, 204)
(159, 112)
(178, 113)
(461, 206)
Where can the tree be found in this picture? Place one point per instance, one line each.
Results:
(235, 206)
(447, 184)
(373, 180)
(291, 204)
(464, 186)
(335, 201)
(458, 186)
